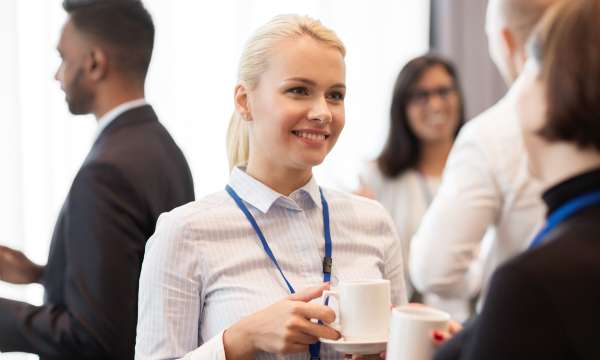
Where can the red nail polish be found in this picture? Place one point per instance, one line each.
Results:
(438, 336)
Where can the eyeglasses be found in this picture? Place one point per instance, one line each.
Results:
(421, 97)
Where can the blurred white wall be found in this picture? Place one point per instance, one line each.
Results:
(457, 32)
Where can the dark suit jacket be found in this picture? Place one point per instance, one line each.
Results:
(133, 173)
(544, 304)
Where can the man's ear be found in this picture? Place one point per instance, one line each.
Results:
(242, 103)
(509, 43)
(97, 65)
(515, 51)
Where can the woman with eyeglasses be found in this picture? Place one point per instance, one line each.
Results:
(426, 113)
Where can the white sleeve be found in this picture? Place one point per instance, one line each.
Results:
(170, 298)
(445, 248)
(213, 349)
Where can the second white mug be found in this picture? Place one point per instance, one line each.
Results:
(411, 331)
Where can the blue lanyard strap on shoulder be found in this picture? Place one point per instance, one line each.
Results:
(562, 213)
(315, 348)
(327, 260)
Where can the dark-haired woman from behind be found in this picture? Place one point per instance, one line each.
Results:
(427, 111)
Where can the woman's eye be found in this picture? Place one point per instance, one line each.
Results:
(298, 91)
(336, 95)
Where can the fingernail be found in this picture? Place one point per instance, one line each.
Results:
(438, 336)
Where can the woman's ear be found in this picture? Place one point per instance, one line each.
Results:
(242, 104)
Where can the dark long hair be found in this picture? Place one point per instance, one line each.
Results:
(402, 150)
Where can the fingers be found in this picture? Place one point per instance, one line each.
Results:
(302, 338)
(305, 311)
(301, 324)
(440, 337)
(320, 331)
(454, 327)
(315, 311)
(312, 311)
(309, 294)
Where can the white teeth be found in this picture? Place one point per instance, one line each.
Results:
(311, 136)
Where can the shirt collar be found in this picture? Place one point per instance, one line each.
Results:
(110, 116)
(263, 197)
(578, 185)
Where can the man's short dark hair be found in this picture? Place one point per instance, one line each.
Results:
(124, 26)
(567, 46)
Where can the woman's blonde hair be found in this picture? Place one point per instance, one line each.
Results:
(254, 62)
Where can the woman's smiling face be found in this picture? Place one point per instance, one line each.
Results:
(297, 107)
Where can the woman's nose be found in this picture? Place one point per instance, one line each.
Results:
(320, 111)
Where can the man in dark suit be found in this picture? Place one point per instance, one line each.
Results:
(133, 173)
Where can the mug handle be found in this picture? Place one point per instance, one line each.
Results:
(324, 301)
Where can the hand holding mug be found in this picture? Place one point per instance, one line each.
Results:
(441, 336)
(437, 337)
(282, 328)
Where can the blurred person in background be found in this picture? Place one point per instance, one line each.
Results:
(485, 184)
(543, 304)
(133, 172)
(426, 114)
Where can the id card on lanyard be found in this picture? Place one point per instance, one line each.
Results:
(315, 348)
(562, 213)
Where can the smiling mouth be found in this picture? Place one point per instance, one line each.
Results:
(310, 135)
(437, 119)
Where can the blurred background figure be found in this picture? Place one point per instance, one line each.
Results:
(427, 111)
(486, 187)
(134, 172)
(543, 304)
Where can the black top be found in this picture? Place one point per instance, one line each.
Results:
(545, 303)
(133, 173)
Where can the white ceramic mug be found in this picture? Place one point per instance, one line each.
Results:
(363, 309)
(411, 330)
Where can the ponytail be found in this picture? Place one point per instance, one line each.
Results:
(237, 142)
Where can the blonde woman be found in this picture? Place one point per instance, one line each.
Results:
(238, 274)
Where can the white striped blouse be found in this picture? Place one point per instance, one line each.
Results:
(205, 268)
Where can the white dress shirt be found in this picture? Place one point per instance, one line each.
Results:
(407, 197)
(485, 185)
(107, 118)
(205, 268)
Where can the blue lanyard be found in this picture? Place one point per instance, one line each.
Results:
(563, 212)
(315, 348)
